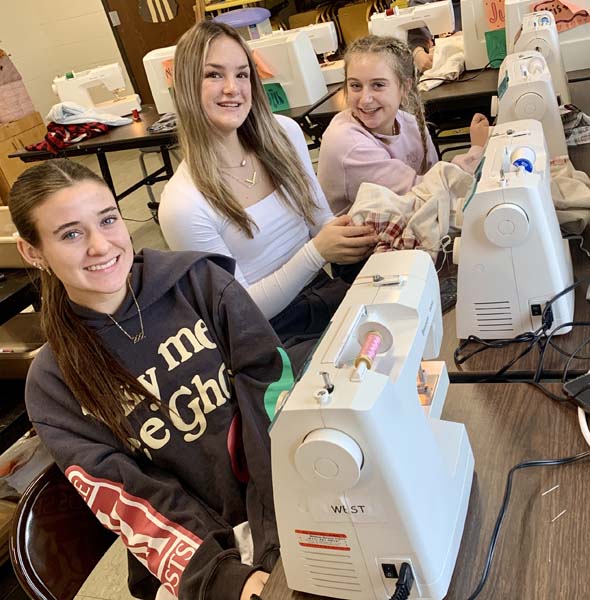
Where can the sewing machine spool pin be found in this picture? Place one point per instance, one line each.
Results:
(374, 338)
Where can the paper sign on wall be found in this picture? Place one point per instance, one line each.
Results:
(495, 13)
(567, 14)
(276, 96)
(168, 66)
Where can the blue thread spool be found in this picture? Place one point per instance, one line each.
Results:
(523, 157)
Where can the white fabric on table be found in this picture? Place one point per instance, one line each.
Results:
(70, 113)
(448, 62)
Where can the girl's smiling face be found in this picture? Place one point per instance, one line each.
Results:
(226, 93)
(85, 243)
(374, 93)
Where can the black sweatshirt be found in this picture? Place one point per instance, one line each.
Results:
(201, 468)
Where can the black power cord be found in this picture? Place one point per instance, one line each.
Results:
(471, 78)
(502, 513)
(539, 338)
(404, 584)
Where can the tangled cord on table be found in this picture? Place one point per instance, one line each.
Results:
(541, 338)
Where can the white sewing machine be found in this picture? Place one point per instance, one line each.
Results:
(525, 91)
(511, 256)
(575, 48)
(437, 16)
(475, 25)
(74, 87)
(324, 40)
(540, 33)
(366, 475)
(291, 59)
(286, 53)
(158, 65)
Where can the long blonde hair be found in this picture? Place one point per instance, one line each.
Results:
(260, 133)
(399, 58)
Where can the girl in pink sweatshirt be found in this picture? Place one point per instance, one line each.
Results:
(374, 140)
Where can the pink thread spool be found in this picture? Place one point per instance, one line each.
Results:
(369, 350)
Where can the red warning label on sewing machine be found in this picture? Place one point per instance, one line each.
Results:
(322, 540)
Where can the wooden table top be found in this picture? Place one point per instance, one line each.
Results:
(535, 558)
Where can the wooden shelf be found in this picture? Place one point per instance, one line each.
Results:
(219, 6)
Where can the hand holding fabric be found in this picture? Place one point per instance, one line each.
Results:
(344, 243)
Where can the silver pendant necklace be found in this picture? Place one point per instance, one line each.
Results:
(138, 336)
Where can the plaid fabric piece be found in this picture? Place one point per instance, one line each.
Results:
(59, 137)
(390, 228)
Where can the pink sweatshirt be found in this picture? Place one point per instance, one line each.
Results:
(351, 154)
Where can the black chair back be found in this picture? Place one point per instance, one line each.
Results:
(56, 541)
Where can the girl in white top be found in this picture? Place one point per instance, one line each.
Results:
(246, 188)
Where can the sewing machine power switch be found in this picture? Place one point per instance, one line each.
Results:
(390, 571)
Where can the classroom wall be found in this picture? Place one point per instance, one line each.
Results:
(46, 39)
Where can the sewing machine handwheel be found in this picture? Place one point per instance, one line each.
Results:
(494, 106)
(530, 106)
(506, 225)
(541, 45)
(329, 459)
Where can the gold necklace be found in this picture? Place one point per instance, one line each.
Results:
(249, 182)
(242, 164)
(139, 336)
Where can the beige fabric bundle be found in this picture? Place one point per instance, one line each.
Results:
(418, 219)
(570, 190)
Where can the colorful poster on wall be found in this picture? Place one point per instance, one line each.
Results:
(567, 14)
(495, 14)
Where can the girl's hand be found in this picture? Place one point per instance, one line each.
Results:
(422, 59)
(254, 584)
(340, 242)
(479, 130)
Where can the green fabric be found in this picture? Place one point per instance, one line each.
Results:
(496, 46)
(283, 383)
